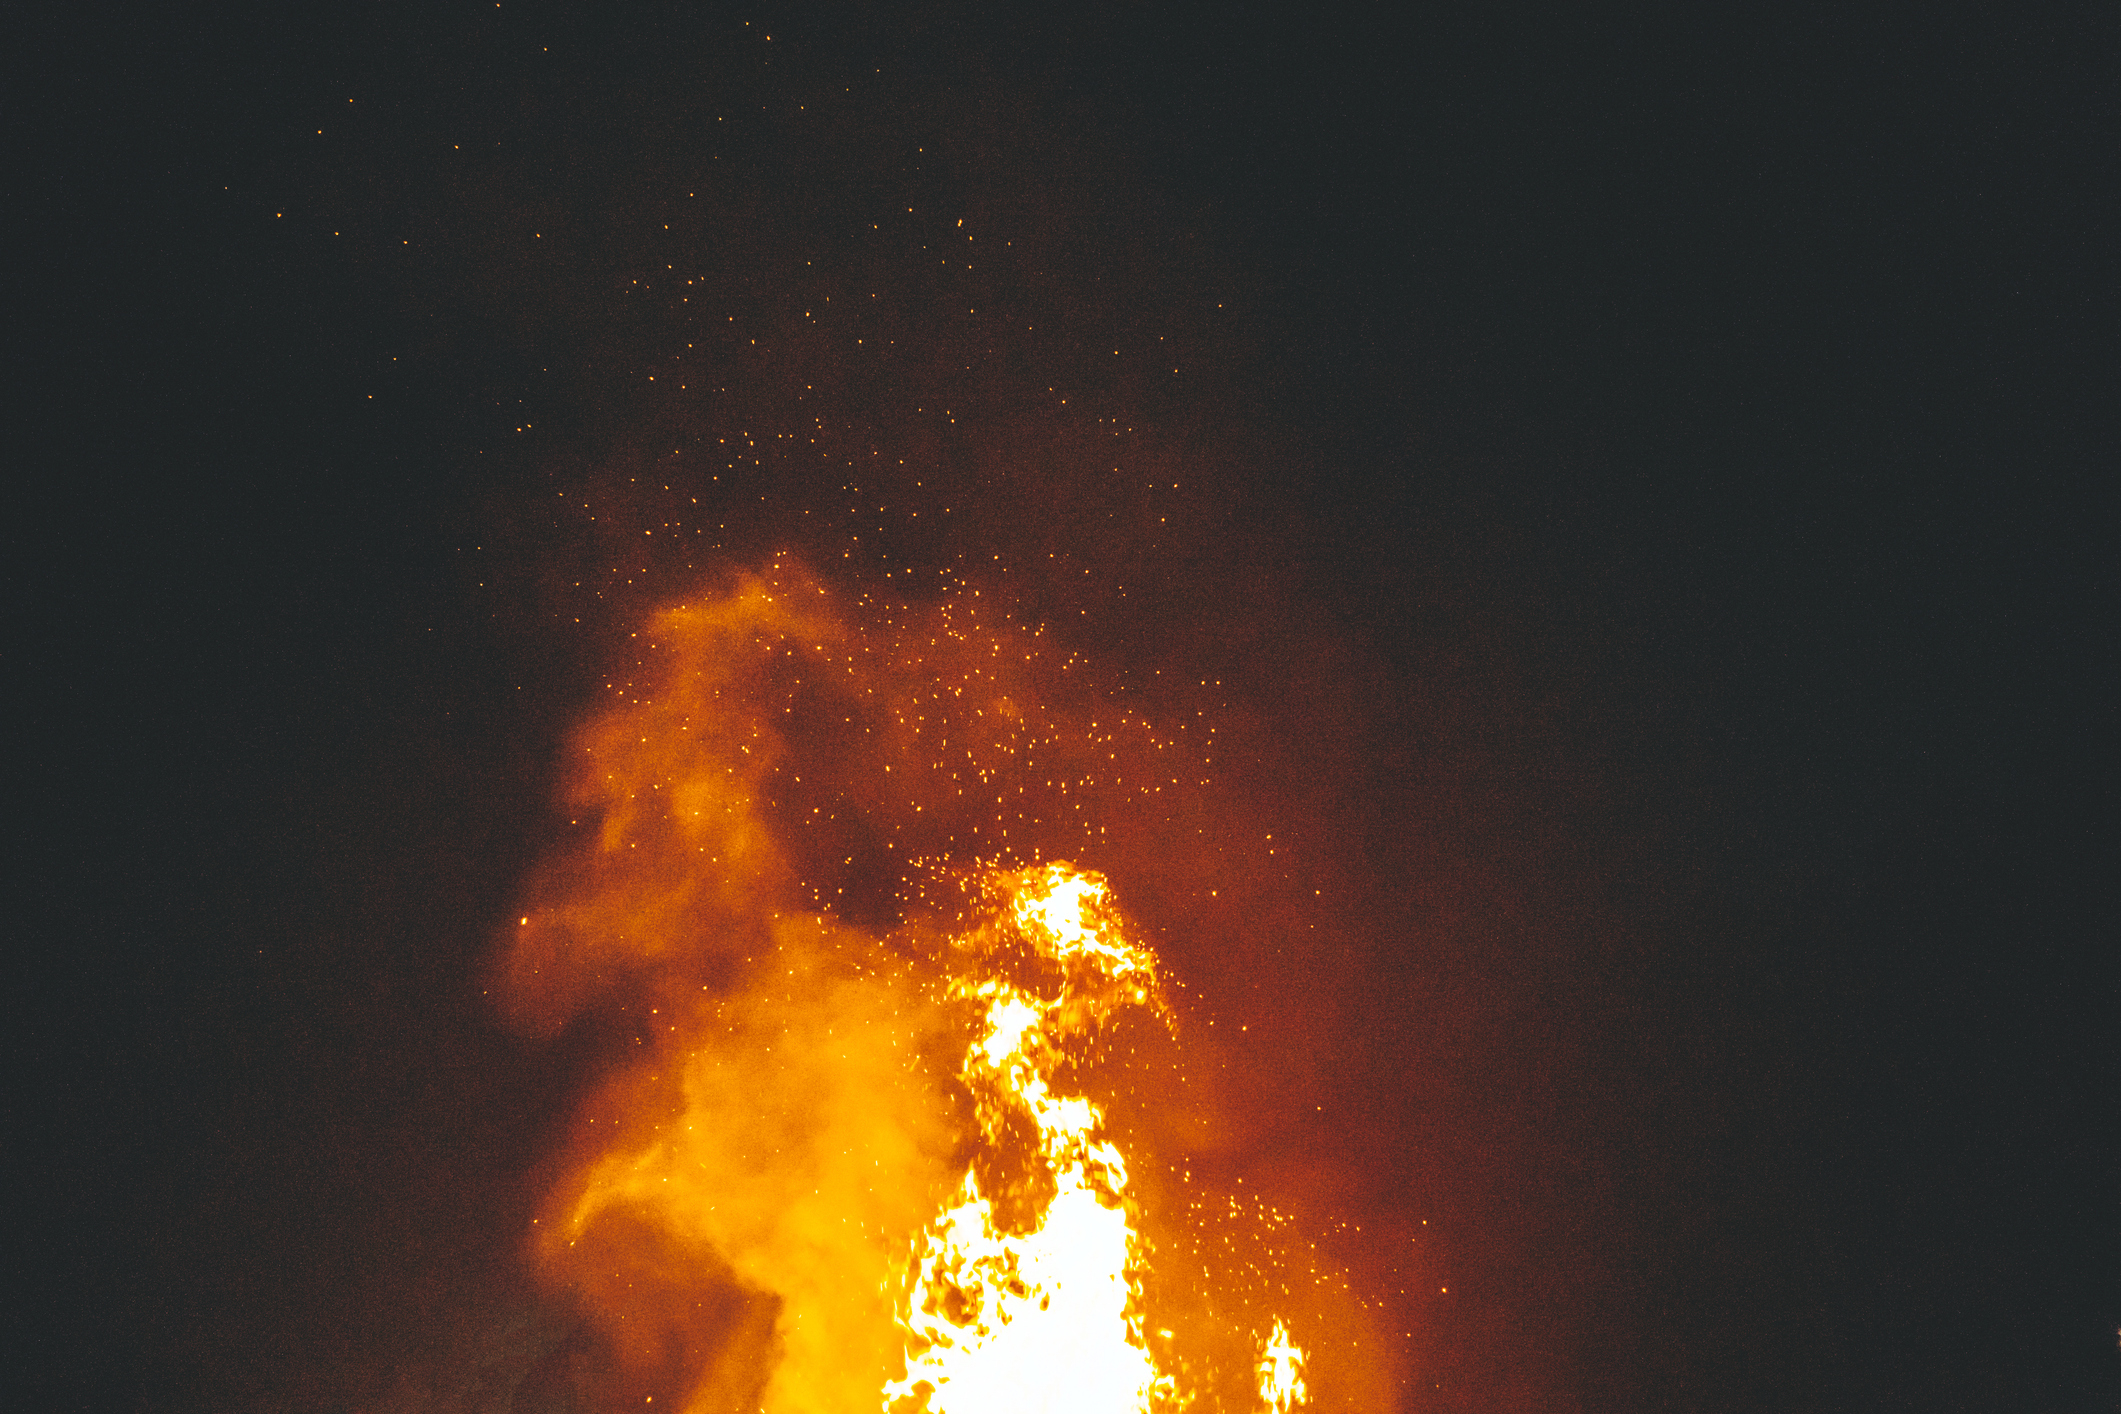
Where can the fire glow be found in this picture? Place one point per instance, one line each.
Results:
(860, 1166)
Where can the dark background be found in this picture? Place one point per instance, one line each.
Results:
(1688, 427)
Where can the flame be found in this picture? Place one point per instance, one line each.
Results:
(857, 1166)
(1281, 1371)
(1042, 1312)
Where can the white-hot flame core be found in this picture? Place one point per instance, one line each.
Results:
(1045, 1325)
(1281, 1372)
(1007, 1021)
(1047, 1321)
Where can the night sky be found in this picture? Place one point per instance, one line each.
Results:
(1619, 481)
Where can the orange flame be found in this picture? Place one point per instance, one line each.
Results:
(1039, 1309)
(854, 1167)
(1281, 1371)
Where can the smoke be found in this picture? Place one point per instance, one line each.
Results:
(767, 1172)
(741, 1192)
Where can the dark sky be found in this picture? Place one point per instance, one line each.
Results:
(1632, 505)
